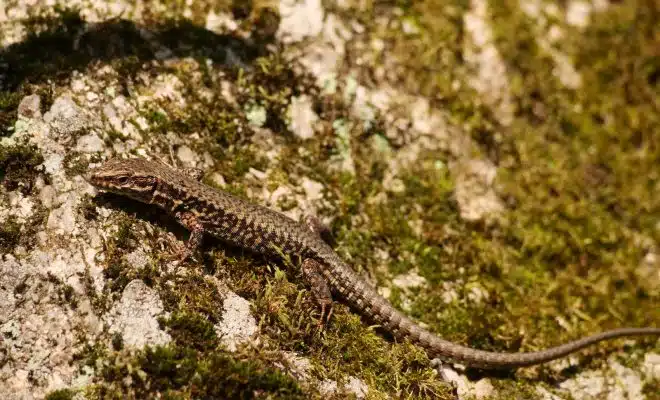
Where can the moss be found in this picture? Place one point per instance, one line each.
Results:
(572, 218)
(191, 330)
(270, 84)
(118, 270)
(75, 164)
(10, 234)
(125, 238)
(196, 294)
(65, 292)
(91, 355)
(20, 165)
(61, 394)
(99, 301)
(14, 232)
(569, 222)
(180, 372)
(8, 111)
(117, 341)
(87, 208)
(351, 347)
(157, 119)
(519, 390)
(346, 347)
(119, 274)
(651, 389)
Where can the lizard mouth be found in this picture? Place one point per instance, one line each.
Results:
(89, 176)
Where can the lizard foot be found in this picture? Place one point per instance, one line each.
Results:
(319, 287)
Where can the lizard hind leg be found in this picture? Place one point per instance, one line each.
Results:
(320, 290)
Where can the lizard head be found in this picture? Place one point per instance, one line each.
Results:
(136, 178)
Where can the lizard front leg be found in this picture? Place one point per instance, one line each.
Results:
(196, 228)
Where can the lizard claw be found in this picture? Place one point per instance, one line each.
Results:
(325, 316)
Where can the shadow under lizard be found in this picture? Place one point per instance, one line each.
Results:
(205, 210)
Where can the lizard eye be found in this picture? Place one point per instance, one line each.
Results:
(122, 180)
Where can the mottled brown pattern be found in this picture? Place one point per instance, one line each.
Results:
(238, 222)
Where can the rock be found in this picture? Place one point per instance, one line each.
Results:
(66, 119)
(30, 107)
(302, 117)
(237, 325)
(134, 317)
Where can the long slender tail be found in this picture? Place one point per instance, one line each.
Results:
(492, 360)
(367, 301)
(401, 326)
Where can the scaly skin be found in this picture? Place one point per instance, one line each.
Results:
(205, 210)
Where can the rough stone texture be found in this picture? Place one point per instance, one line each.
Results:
(302, 117)
(65, 118)
(618, 382)
(39, 334)
(237, 325)
(30, 107)
(481, 389)
(301, 368)
(412, 279)
(474, 192)
(490, 80)
(300, 19)
(134, 317)
(43, 330)
(651, 366)
(356, 387)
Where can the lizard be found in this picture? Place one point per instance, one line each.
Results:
(204, 210)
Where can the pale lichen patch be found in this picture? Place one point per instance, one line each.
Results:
(302, 117)
(651, 366)
(616, 382)
(474, 190)
(135, 316)
(300, 19)
(237, 325)
(490, 79)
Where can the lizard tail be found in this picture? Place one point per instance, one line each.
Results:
(492, 360)
(368, 302)
(401, 326)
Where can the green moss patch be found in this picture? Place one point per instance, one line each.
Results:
(8, 111)
(182, 373)
(62, 394)
(19, 166)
